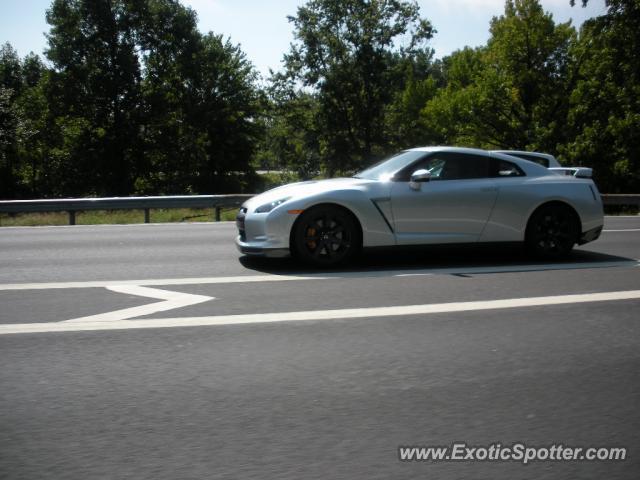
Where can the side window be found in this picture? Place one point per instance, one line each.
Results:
(464, 166)
(449, 166)
(431, 163)
(502, 168)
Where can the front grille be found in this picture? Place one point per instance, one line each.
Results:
(240, 223)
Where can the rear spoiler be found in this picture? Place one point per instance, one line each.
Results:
(578, 172)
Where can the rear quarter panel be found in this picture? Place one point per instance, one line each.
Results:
(519, 197)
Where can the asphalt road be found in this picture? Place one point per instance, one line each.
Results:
(287, 373)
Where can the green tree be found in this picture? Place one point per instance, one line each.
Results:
(419, 83)
(141, 101)
(450, 116)
(345, 53)
(10, 69)
(226, 106)
(202, 106)
(10, 87)
(292, 137)
(34, 133)
(95, 87)
(9, 121)
(21, 106)
(604, 119)
(513, 93)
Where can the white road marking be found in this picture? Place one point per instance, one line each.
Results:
(519, 268)
(624, 230)
(78, 326)
(155, 282)
(158, 282)
(170, 301)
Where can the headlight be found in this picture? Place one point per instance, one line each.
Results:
(270, 206)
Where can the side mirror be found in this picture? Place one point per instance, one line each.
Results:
(418, 177)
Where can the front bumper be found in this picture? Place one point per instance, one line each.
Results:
(260, 251)
(254, 239)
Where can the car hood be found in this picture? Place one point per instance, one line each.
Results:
(304, 189)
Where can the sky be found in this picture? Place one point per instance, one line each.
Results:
(262, 29)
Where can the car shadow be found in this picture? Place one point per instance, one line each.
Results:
(453, 260)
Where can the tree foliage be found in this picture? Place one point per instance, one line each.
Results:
(513, 92)
(136, 100)
(23, 135)
(604, 119)
(95, 93)
(349, 54)
(133, 99)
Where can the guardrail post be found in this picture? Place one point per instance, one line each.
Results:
(218, 213)
(146, 215)
(72, 217)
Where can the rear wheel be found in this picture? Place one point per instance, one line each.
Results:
(552, 231)
(325, 236)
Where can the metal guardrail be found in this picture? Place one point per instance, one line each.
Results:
(621, 199)
(73, 205)
(218, 202)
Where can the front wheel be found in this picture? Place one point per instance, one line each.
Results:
(325, 236)
(552, 231)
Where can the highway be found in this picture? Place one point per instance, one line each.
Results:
(159, 352)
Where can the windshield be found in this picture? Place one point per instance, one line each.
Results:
(385, 169)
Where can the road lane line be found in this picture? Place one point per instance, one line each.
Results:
(159, 282)
(624, 230)
(518, 268)
(348, 313)
(170, 301)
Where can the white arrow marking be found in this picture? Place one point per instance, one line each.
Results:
(398, 311)
(170, 301)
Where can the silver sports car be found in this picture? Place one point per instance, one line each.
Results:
(430, 195)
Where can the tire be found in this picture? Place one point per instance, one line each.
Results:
(552, 232)
(325, 236)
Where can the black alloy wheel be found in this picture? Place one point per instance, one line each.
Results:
(325, 236)
(552, 232)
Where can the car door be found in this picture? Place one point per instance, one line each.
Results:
(452, 207)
